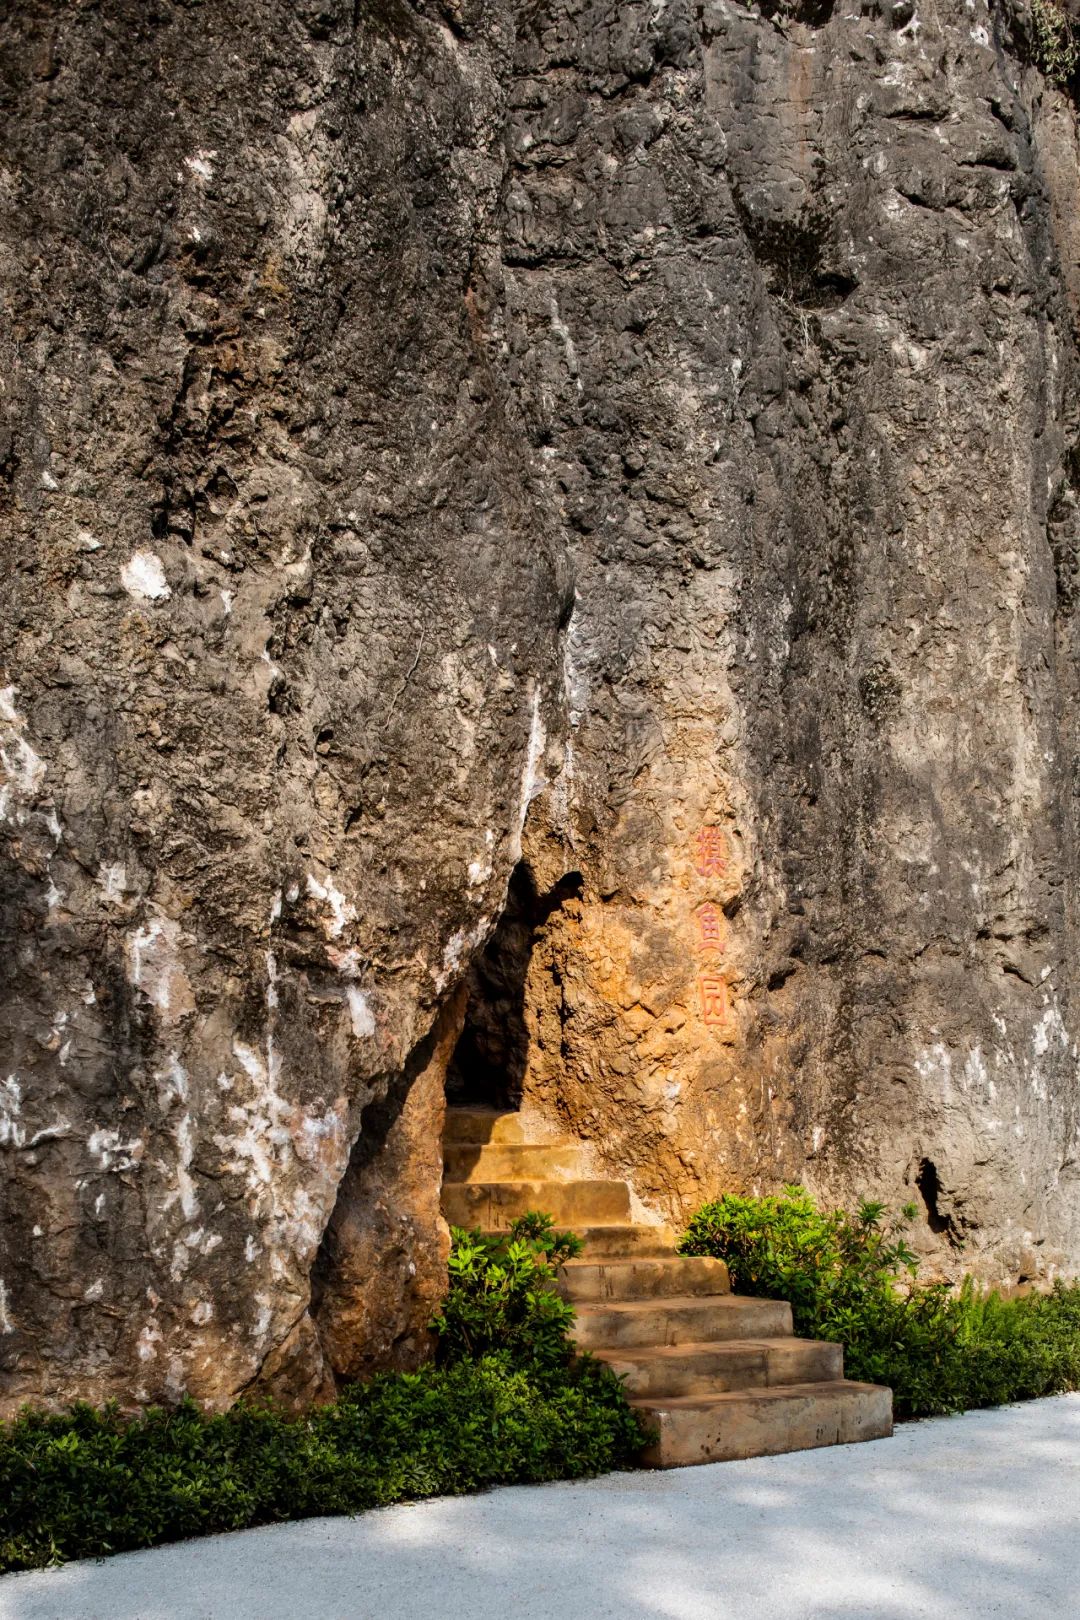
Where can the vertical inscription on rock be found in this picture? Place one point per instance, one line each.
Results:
(709, 854)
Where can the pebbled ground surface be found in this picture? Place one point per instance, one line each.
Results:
(956, 1519)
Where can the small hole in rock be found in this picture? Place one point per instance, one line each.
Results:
(929, 1186)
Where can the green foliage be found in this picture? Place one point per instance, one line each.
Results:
(852, 1279)
(502, 1294)
(499, 1408)
(1055, 41)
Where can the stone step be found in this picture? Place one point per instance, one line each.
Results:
(680, 1320)
(593, 1281)
(665, 1371)
(615, 1242)
(480, 1125)
(516, 1161)
(494, 1204)
(624, 1242)
(762, 1422)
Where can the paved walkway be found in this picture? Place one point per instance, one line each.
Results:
(958, 1519)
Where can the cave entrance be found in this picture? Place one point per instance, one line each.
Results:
(487, 1069)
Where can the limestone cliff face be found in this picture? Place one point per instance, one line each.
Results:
(629, 447)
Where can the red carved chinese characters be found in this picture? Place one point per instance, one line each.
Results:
(707, 918)
(713, 992)
(709, 860)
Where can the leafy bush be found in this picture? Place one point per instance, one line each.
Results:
(1055, 41)
(505, 1404)
(502, 1294)
(852, 1279)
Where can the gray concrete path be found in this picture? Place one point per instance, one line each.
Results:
(957, 1519)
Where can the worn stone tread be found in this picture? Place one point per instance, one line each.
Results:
(759, 1422)
(480, 1162)
(468, 1203)
(482, 1126)
(679, 1318)
(659, 1372)
(633, 1280)
(842, 1388)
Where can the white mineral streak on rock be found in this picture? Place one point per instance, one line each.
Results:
(111, 1154)
(532, 783)
(363, 1019)
(1049, 1032)
(149, 1339)
(6, 1324)
(1050, 1025)
(347, 962)
(22, 781)
(155, 968)
(480, 869)
(113, 881)
(172, 1083)
(143, 577)
(174, 1378)
(305, 147)
(12, 1132)
(275, 669)
(341, 911)
(185, 1141)
(24, 770)
(575, 685)
(261, 1325)
(50, 1133)
(270, 1135)
(934, 1063)
(562, 332)
(201, 164)
(459, 947)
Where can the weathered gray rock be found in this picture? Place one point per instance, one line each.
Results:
(634, 418)
(820, 451)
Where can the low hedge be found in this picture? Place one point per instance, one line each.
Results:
(499, 1407)
(852, 1278)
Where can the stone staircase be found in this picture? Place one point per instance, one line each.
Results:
(716, 1376)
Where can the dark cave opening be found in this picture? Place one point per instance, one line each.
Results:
(488, 1066)
(929, 1185)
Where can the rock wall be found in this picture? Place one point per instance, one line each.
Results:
(631, 445)
(795, 303)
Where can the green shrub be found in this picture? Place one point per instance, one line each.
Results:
(502, 1294)
(852, 1279)
(506, 1404)
(1055, 41)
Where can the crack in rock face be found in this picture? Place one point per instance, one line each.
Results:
(542, 562)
